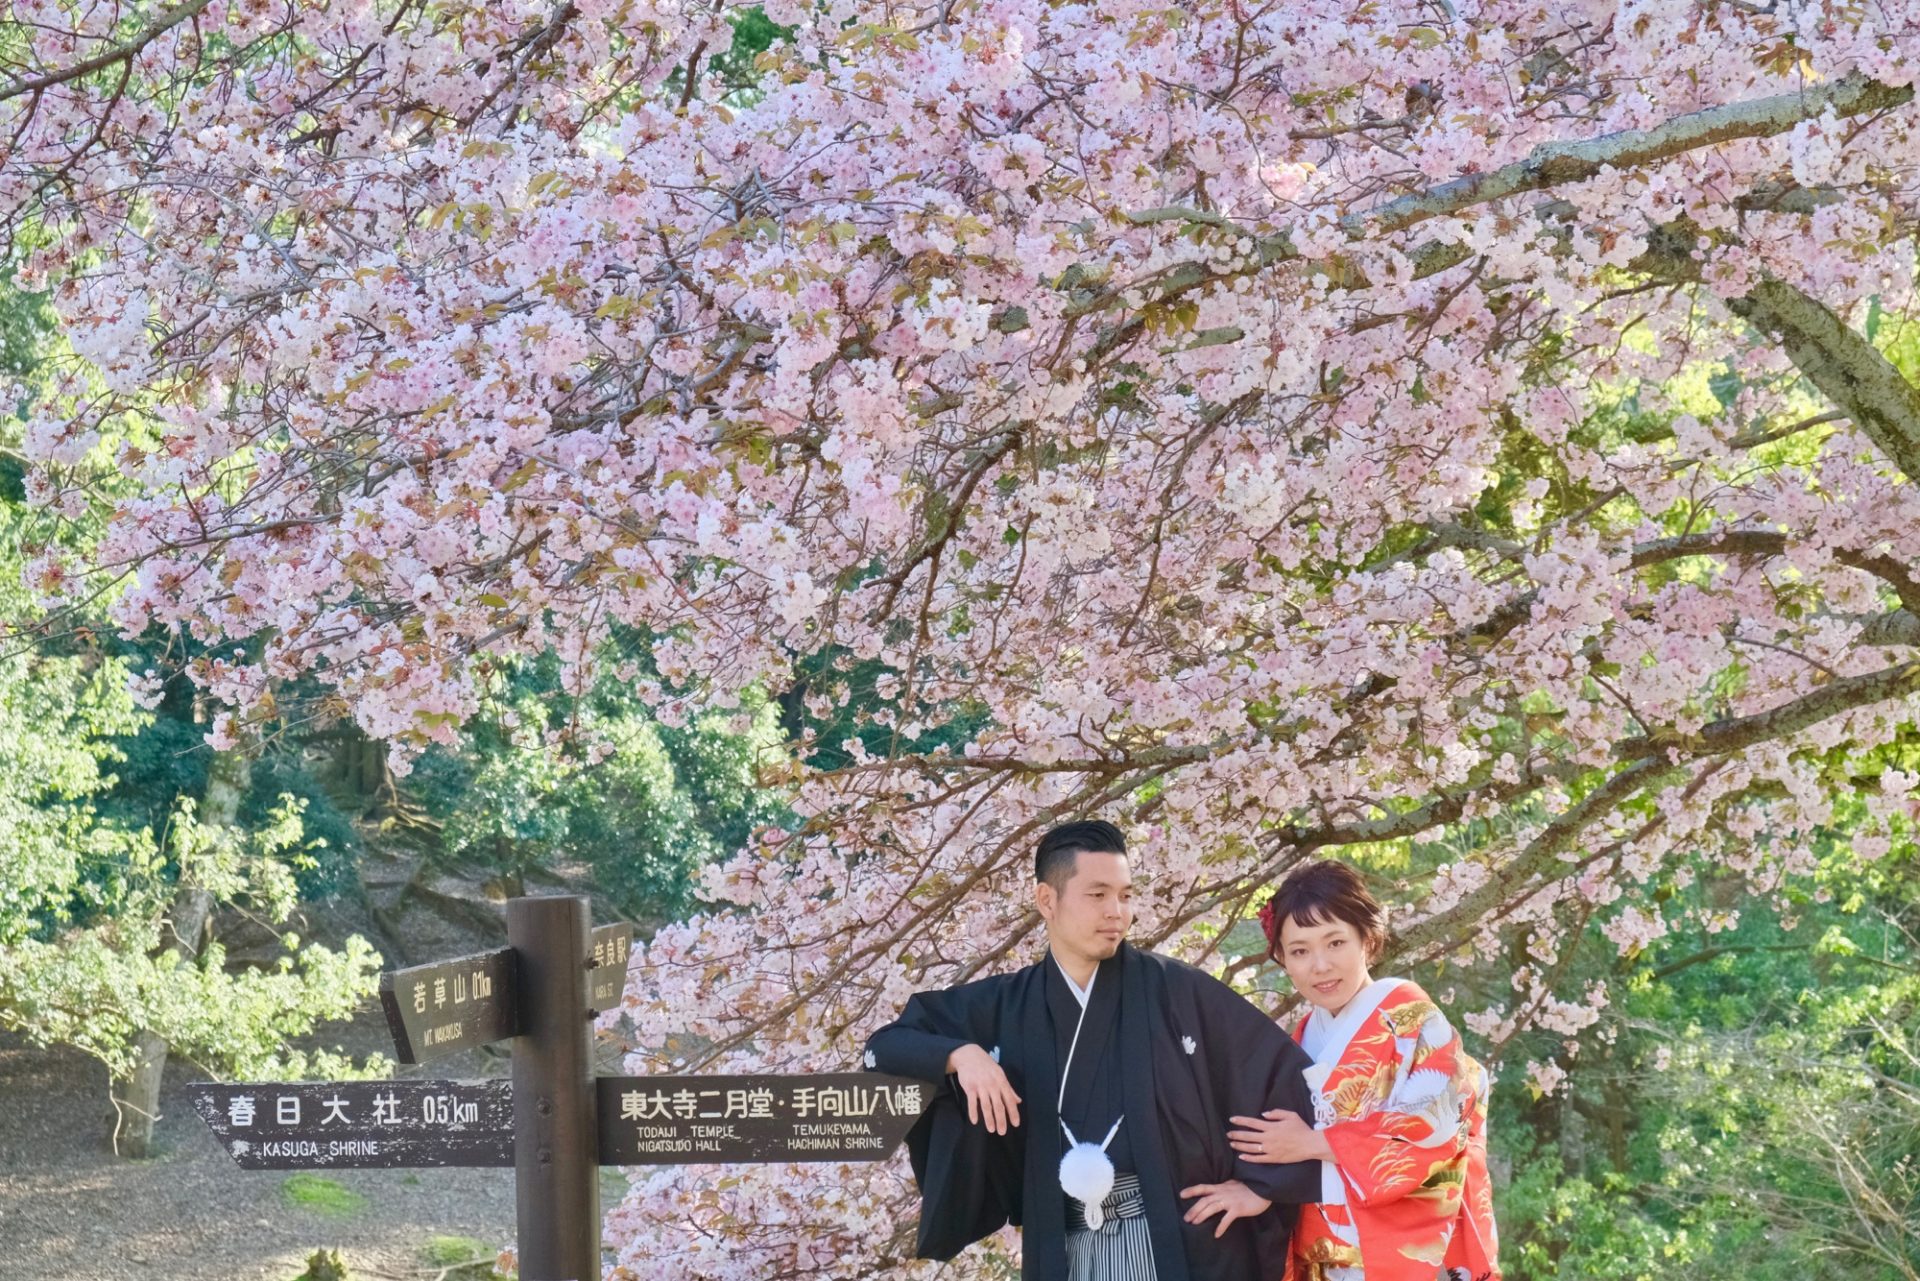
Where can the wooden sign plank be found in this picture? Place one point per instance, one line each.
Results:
(682, 1120)
(328, 1125)
(607, 965)
(449, 1006)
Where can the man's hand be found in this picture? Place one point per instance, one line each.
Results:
(1231, 1200)
(990, 1095)
(1279, 1138)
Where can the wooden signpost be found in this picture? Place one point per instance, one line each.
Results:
(552, 1120)
(449, 1006)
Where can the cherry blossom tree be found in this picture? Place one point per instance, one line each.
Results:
(1482, 432)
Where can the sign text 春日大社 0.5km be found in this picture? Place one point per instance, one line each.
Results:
(360, 1124)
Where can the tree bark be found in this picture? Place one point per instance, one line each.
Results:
(136, 1099)
(1851, 371)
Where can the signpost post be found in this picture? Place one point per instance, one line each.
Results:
(552, 1121)
(556, 1179)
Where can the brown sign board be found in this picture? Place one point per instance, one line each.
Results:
(449, 1006)
(682, 1120)
(609, 948)
(332, 1125)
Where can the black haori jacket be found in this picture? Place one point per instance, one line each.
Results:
(1191, 1053)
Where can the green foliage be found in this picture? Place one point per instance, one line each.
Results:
(461, 1258)
(864, 695)
(325, 1265)
(1753, 1108)
(321, 1195)
(1559, 1222)
(332, 845)
(97, 986)
(753, 34)
(55, 716)
(449, 1251)
(163, 757)
(662, 803)
(160, 759)
(25, 323)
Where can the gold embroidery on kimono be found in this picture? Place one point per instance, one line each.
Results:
(1408, 1130)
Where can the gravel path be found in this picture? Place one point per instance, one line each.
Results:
(71, 1211)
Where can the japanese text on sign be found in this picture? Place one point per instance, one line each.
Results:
(304, 1125)
(831, 1117)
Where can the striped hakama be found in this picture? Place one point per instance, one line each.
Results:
(1119, 1249)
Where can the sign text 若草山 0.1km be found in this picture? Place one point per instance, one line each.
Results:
(469, 1001)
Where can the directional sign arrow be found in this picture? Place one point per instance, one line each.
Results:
(607, 965)
(681, 1120)
(449, 1006)
(309, 1125)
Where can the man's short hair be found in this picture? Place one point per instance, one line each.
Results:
(1054, 861)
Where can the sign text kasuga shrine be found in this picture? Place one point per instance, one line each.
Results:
(553, 1121)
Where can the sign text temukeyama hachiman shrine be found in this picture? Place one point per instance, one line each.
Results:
(551, 1120)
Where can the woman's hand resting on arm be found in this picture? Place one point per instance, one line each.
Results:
(1277, 1137)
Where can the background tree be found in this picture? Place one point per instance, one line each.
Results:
(105, 938)
(126, 838)
(1479, 438)
(548, 784)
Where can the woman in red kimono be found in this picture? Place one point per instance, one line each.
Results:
(1399, 1119)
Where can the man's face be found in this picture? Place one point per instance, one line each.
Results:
(1089, 917)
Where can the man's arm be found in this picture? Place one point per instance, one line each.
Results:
(1265, 1071)
(1297, 1182)
(916, 1043)
(921, 1042)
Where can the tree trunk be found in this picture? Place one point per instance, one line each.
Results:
(136, 1099)
(358, 772)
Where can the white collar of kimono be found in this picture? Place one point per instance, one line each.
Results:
(1080, 994)
(1326, 1040)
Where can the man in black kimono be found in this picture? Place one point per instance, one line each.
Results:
(1156, 1057)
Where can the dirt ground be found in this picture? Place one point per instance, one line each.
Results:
(71, 1211)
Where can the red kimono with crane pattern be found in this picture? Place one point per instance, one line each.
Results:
(1403, 1106)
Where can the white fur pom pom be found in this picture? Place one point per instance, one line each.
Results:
(1086, 1175)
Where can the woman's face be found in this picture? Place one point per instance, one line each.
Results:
(1327, 961)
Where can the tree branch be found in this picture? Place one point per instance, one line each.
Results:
(1841, 362)
(1553, 163)
(1737, 733)
(1512, 879)
(106, 58)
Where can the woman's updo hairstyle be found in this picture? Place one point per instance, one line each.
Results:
(1321, 891)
